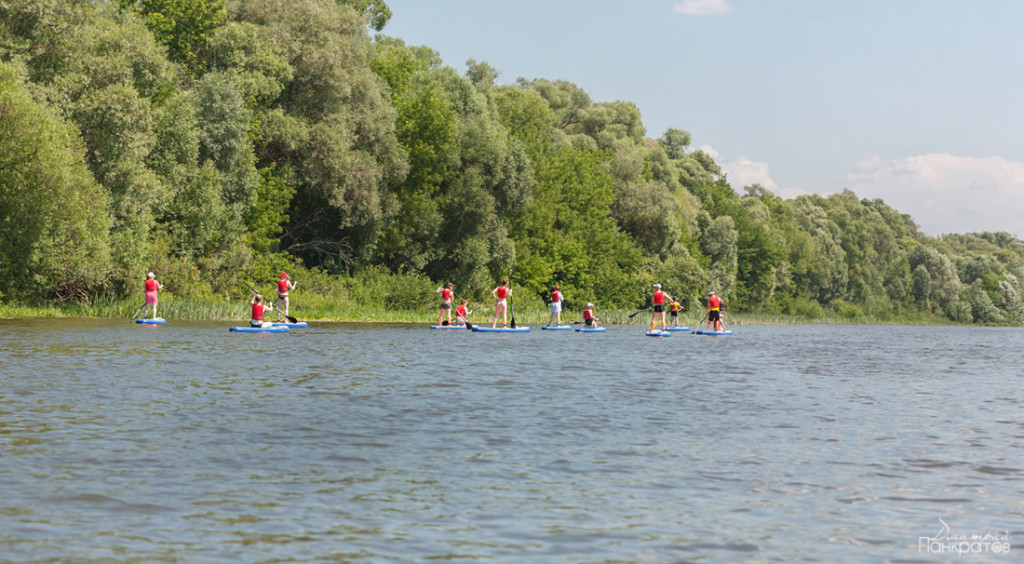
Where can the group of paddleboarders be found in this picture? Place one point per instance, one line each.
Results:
(501, 294)
(447, 300)
(557, 297)
(659, 301)
(258, 308)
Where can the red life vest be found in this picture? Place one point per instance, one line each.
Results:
(556, 296)
(460, 311)
(587, 314)
(714, 302)
(659, 298)
(282, 286)
(257, 312)
(446, 295)
(152, 285)
(501, 292)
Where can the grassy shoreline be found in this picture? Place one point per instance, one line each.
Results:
(318, 308)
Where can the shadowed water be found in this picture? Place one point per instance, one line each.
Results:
(397, 443)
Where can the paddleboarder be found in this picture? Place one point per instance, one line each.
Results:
(284, 284)
(152, 286)
(556, 306)
(674, 308)
(447, 297)
(501, 294)
(259, 310)
(658, 301)
(588, 317)
(461, 313)
(714, 308)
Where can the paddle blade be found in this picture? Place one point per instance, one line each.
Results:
(291, 319)
(513, 310)
(469, 325)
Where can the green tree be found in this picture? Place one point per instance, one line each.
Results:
(184, 26)
(376, 12)
(53, 215)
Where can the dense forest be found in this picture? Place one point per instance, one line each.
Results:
(214, 141)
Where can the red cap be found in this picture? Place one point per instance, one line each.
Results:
(284, 275)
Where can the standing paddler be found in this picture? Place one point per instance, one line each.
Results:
(658, 301)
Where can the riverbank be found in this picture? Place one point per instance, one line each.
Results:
(319, 308)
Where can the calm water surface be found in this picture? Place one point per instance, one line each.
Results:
(359, 442)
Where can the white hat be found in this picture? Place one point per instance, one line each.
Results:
(711, 293)
(151, 275)
(590, 305)
(657, 285)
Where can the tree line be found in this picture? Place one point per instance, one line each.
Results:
(214, 140)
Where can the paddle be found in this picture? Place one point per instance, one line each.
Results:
(635, 313)
(697, 327)
(288, 317)
(137, 312)
(511, 308)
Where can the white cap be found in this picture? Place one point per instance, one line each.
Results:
(711, 293)
(151, 275)
(657, 285)
(590, 305)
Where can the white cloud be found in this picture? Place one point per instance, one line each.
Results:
(946, 193)
(703, 7)
(744, 172)
(711, 152)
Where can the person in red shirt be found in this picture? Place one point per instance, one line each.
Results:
(588, 317)
(151, 286)
(447, 297)
(283, 285)
(259, 312)
(715, 312)
(501, 294)
(461, 313)
(556, 306)
(658, 301)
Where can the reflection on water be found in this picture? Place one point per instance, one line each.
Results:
(394, 442)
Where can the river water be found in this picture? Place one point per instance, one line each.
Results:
(377, 443)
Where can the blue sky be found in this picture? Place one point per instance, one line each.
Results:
(917, 102)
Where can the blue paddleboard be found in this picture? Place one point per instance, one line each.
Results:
(299, 324)
(260, 330)
(556, 327)
(702, 332)
(479, 329)
(678, 329)
(448, 327)
(591, 330)
(157, 321)
(658, 334)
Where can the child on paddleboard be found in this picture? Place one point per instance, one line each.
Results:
(588, 317)
(556, 306)
(283, 285)
(259, 310)
(461, 313)
(447, 297)
(674, 308)
(658, 301)
(501, 294)
(151, 286)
